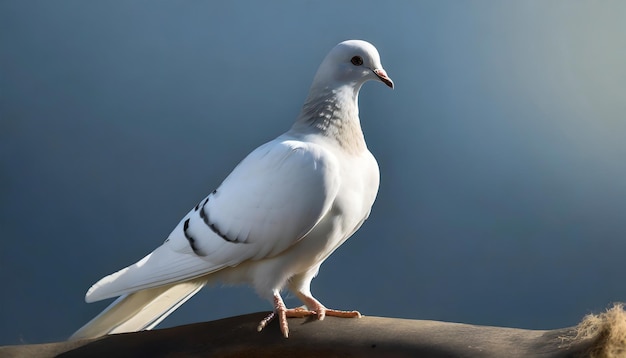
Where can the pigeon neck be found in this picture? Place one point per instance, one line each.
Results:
(334, 113)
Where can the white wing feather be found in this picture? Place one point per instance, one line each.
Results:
(139, 310)
(272, 199)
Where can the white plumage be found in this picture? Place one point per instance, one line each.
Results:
(272, 222)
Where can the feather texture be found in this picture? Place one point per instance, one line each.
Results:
(140, 310)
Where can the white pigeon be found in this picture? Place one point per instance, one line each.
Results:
(273, 221)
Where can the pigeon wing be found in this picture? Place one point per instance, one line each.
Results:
(270, 201)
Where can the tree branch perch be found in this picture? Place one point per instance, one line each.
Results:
(601, 335)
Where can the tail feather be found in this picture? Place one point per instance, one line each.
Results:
(141, 310)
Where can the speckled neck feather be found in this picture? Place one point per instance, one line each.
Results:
(334, 113)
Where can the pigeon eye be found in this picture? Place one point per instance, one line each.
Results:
(357, 60)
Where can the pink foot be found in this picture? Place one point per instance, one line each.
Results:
(315, 308)
(283, 313)
(321, 311)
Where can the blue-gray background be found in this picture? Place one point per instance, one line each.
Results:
(502, 150)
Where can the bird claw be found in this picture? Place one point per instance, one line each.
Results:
(322, 311)
(343, 314)
(265, 321)
(283, 314)
(318, 310)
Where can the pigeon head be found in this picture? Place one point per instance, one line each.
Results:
(352, 62)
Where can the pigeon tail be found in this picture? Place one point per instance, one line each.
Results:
(141, 310)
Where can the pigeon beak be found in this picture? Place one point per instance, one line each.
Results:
(382, 75)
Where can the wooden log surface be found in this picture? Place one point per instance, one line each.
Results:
(597, 336)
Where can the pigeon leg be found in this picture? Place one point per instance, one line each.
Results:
(283, 313)
(321, 311)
